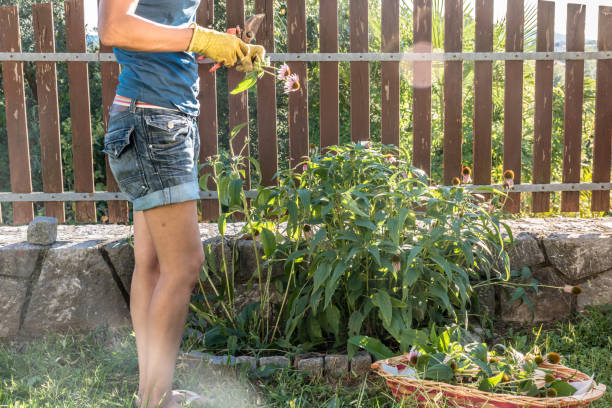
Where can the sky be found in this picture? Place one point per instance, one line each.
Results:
(91, 16)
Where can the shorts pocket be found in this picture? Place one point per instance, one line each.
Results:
(116, 141)
(167, 130)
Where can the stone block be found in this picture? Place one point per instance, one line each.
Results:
(20, 259)
(336, 365)
(579, 256)
(121, 256)
(310, 365)
(13, 294)
(278, 361)
(360, 364)
(525, 252)
(75, 290)
(246, 361)
(42, 231)
(549, 304)
(597, 291)
(486, 300)
(220, 360)
(248, 261)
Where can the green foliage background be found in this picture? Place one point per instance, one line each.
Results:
(312, 7)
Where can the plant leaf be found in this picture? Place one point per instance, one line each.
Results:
(373, 346)
(269, 242)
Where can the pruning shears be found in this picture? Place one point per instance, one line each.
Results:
(251, 26)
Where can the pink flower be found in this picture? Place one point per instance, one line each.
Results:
(284, 72)
(467, 179)
(508, 183)
(305, 167)
(391, 159)
(292, 83)
(413, 357)
(404, 175)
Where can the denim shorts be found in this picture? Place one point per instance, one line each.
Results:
(153, 154)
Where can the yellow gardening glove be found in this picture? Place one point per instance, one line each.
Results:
(256, 54)
(221, 47)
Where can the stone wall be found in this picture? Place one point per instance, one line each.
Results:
(82, 281)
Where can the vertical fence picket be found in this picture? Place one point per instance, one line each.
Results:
(329, 103)
(360, 72)
(390, 90)
(542, 125)
(266, 100)
(207, 121)
(603, 114)
(421, 99)
(78, 82)
(574, 96)
(298, 101)
(238, 104)
(453, 90)
(16, 117)
(48, 109)
(109, 75)
(483, 94)
(513, 98)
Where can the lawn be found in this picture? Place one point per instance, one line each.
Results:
(99, 369)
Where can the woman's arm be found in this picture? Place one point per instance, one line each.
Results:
(119, 27)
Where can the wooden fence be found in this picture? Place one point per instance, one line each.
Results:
(329, 58)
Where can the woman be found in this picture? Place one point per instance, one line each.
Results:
(152, 145)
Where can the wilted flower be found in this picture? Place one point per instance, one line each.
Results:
(283, 72)
(467, 175)
(551, 393)
(539, 378)
(572, 290)
(396, 261)
(413, 357)
(456, 181)
(308, 234)
(553, 358)
(292, 83)
(453, 365)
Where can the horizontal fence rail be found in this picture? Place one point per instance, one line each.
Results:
(212, 195)
(341, 57)
(392, 108)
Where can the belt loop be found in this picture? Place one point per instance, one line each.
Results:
(133, 105)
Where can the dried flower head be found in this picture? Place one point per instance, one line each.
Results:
(553, 358)
(551, 393)
(549, 378)
(456, 181)
(307, 231)
(538, 359)
(283, 72)
(509, 174)
(453, 365)
(572, 290)
(396, 261)
(292, 83)
(506, 378)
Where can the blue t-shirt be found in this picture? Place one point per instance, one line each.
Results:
(168, 79)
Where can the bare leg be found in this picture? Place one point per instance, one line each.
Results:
(176, 238)
(144, 280)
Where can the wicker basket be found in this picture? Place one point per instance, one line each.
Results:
(463, 397)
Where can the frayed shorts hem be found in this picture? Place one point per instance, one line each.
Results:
(170, 195)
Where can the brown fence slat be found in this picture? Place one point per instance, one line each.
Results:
(16, 118)
(542, 126)
(513, 99)
(390, 101)
(483, 94)
(360, 72)
(48, 109)
(603, 114)
(298, 101)
(78, 82)
(207, 121)
(266, 100)
(574, 97)
(421, 99)
(109, 73)
(329, 92)
(238, 104)
(453, 90)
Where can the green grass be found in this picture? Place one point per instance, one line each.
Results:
(100, 370)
